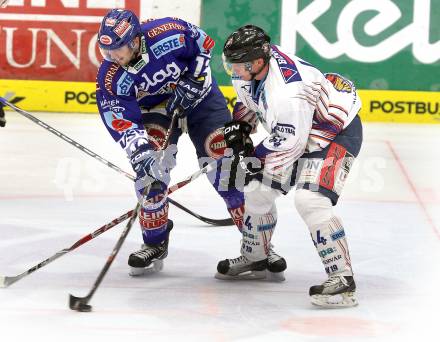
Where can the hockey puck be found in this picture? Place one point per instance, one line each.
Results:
(77, 304)
(84, 308)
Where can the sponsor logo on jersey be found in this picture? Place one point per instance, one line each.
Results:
(340, 83)
(284, 128)
(288, 69)
(124, 84)
(162, 76)
(152, 220)
(117, 122)
(166, 45)
(264, 227)
(215, 144)
(106, 40)
(237, 216)
(277, 141)
(332, 259)
(164, 28)
(327, 251)
(122, 28)
(108, 79)
(337, 235)
(108, 103)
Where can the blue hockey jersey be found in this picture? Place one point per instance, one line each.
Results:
(169, 48)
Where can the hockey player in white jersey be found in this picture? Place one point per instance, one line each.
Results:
(314, 135)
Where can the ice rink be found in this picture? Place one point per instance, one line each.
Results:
(52, 194)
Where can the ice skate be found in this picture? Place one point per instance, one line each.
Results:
(150, 257)
(276, 265)
(337, 291)
(241, 268)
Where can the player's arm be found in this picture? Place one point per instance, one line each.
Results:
(121, 115)
(119, 109)
(195, 83)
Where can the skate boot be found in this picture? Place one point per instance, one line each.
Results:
(276, 265)
(150, 257)
(241, 268)
(337, 291)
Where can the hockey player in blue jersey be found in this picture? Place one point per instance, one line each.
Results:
(148, 72)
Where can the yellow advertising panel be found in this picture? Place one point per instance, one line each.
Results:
(80, 97)
(51, 96)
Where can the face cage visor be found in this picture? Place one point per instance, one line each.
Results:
(234, 69)
(106, 53)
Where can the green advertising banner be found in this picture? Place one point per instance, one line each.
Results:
(379, 44)
(220, 18)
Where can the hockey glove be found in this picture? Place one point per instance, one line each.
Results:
(242, 113)
(186, 94)
(237, 137)
(2, 117)
(243, 165)
(152, 166)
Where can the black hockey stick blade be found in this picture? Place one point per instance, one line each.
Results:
(214, 222)
(79, 304)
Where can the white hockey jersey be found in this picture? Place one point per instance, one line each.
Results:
(302, 109)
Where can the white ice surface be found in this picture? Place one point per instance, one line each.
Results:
(52, 194)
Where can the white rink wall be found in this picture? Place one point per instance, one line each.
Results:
(188, 10)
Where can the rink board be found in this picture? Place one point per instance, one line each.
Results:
(80, 97)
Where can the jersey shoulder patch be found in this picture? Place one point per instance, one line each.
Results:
(287, 66)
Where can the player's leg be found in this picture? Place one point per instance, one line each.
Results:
(153, 216)
(320, 182)
(259, 222)
(205, 127)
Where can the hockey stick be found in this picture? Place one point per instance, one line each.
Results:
(215, 222)
(81, 303)
(6, 281)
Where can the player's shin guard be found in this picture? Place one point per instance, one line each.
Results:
(331, 244)
(155, 226)
(339, 289)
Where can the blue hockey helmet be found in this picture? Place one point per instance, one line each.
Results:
(118, 28)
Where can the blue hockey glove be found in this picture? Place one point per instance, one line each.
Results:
(186, 94)
(151, 165)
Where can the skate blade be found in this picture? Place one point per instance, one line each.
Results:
(250, 275)
(155, 266)
(343, 300)
(275, 276)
